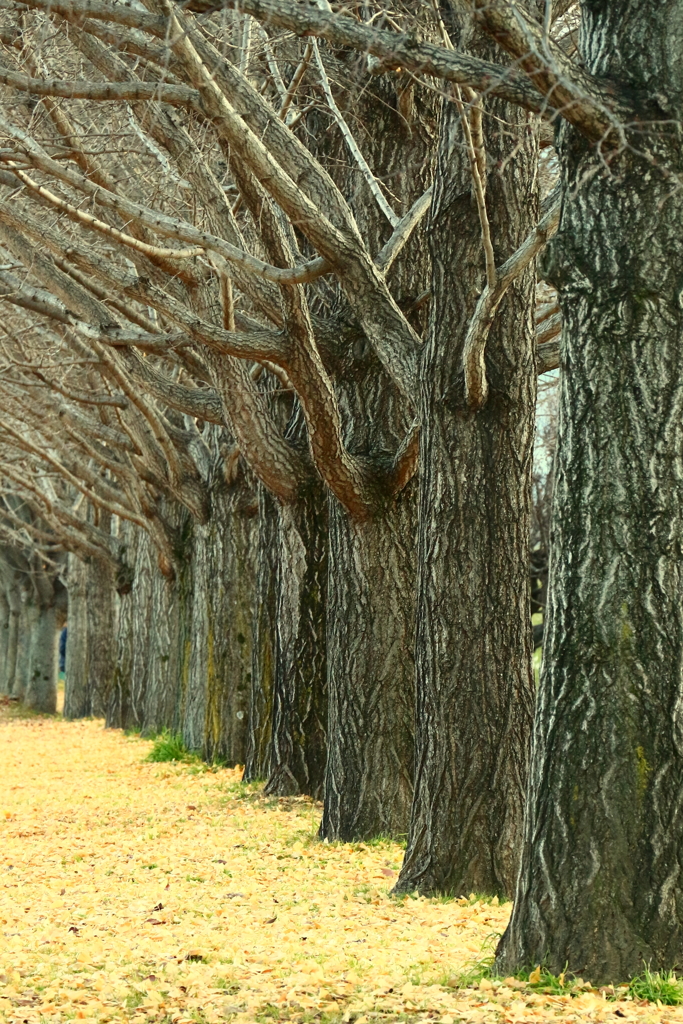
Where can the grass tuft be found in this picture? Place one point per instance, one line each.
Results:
(169, 747)
(657, 986)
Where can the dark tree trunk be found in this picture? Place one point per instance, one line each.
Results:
(600, 887)
(259, 734)
(76, 672)
(473, 649)
(298, 751)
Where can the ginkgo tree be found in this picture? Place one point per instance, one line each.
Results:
(194, 226)
(216, 294)
(599, 887)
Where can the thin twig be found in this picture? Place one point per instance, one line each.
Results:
(296, 79)
(351, 142)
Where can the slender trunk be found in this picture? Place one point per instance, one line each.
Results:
(193, 710)
(600, 886)
(27, 618)
(300, 684)
(259, 734)
(41, 688)
(101, 629)
(14, 605)
(473, 646)
(76, 692)
(4, 641)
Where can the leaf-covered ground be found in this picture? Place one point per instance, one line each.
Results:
(132, 891)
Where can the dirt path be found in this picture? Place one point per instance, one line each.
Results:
(137, 891)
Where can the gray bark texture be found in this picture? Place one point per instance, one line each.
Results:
(600, 887)
(170, 644)
(10, 667)
(299, 717)
(368, 781)
(26, 619)
(473, 646)
(76, 691)
(217, 705)
(101, 609)
(125, 702)
(371, 590)
(259, 735)
(41, 686)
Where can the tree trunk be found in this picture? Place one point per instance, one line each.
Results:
(371, 593)
(76, 693)
(217, 708)
(473, 647)
(300, 685)
(259, 734)
(101, 628)
(4, 641)
(600, 886)
(10, 670)
(125, 705)
(163, 704)
(368, 782)
(41, 687)
(25, 624)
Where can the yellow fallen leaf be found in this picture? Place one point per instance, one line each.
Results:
(106, 852)
(535, 976)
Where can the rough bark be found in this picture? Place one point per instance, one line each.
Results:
(76, 691)
(125, 703)
(371, 591)
(368, 781)
(217, 707)
(162, 706)
(102, 629)
(473, 646)
(300, 685)
(600, 888)
(258, 755)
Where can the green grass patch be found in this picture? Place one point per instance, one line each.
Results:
(542, 980)
(474, 972)
(169, 746)
(657, 986)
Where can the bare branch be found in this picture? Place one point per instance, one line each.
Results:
(351, 142)
(474, 349)
(578, 97)
(176, 95)
(402, 232)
